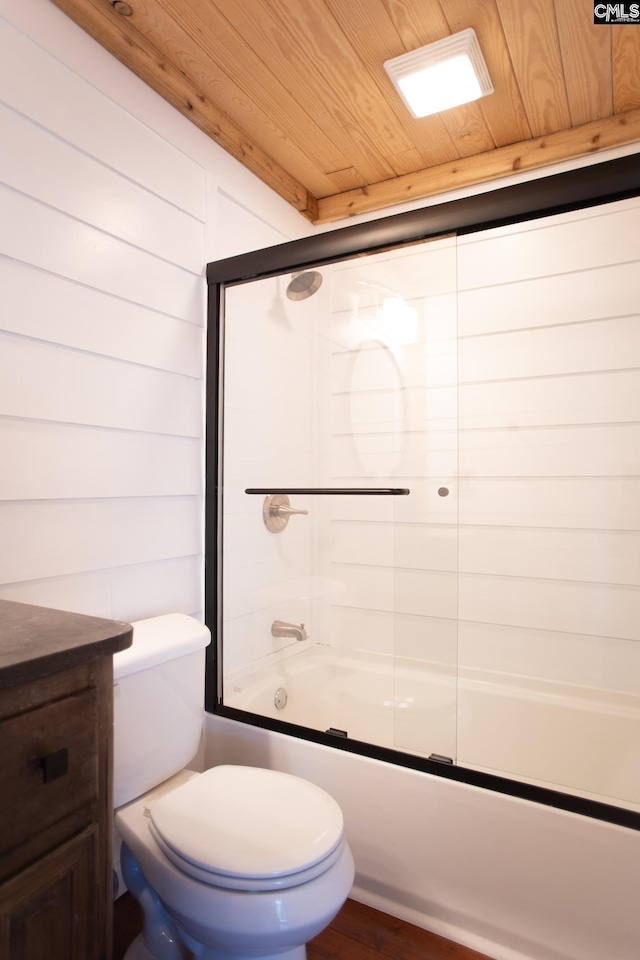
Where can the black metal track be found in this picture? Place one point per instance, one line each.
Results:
(451, 771)
(594, 184)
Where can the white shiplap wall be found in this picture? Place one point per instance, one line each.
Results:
(110, 206)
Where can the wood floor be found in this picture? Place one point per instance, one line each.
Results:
(357, 933)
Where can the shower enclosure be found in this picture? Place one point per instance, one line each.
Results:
(427, 478)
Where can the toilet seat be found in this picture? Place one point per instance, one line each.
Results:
(247, 828)
(247, 884)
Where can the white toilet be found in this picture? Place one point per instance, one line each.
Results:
(233, 863)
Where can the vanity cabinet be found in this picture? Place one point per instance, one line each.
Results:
(56, 731)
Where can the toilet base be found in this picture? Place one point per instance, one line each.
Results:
(138, 951)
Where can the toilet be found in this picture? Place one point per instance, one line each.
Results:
(230, 864)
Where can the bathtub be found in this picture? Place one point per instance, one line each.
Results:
(509, 878)
(368, 696)
(538, 731)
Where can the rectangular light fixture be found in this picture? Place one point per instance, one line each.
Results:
(441, 75)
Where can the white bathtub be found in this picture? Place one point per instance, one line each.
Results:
(512, 879)
(367, 695)
(538, 731)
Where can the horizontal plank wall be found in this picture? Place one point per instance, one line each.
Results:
(111, 203)
(101, 348)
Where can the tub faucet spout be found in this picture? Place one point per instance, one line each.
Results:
(279, 628)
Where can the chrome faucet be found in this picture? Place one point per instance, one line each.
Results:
(279, 628)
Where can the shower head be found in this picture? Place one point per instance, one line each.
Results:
(304, 285)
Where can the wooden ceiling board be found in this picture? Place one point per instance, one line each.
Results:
(99, 21)
(315, 96)
(530, 30)
(586, 58)
(347, 179)
(413, 18)
(503, 110)
(514, 158)
(296, 89)
(372, 33)
(220, 61)
(332, 61)
(626, 75)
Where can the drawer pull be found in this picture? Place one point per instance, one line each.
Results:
(55, 765)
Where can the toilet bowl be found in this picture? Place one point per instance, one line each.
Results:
(233, 863)
(246, 862)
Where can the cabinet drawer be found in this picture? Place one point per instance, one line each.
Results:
(49, 909)
(49, 760)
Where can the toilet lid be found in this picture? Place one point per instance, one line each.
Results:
(247, 824)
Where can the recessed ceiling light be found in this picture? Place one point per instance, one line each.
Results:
(441, 75)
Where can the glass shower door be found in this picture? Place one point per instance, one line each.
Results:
(338, 422)
(430, 488)
(425, 525)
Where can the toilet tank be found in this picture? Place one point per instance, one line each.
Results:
(158, 702)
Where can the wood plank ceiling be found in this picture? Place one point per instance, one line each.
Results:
(297, 92)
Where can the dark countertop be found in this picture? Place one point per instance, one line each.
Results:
(36, 641)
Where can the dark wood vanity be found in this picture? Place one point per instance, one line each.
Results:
(56, 734)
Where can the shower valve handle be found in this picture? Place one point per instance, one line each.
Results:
(276, 511)
(281, 510)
